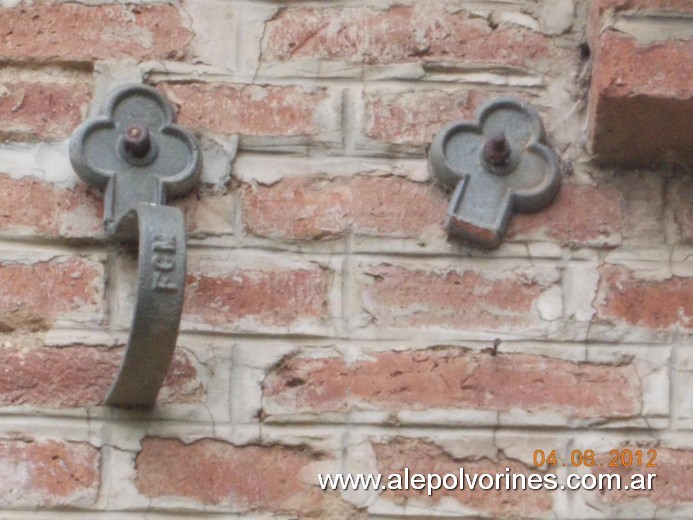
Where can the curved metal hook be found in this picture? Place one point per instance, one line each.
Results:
(140, 156)
(158, 309)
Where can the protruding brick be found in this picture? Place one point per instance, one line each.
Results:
(247, 478)
(580, 215)
(401, 34)
(501, 300)
(315, 208)
(254, 110)
(270, 296)
(641, 101)
(35, 294)
(48, 473)
(29, 206)
(424, 457)
(451, 378)
(41, 111)
(70, 32)
(78, 376)
(624, 297)
(672, 485)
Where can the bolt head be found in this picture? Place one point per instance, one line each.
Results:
(137, 141)
(497, 149)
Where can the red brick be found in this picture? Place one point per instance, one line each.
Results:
(579, 215)
(652, 304)
(413, 118)
(264, 478)
(35, 294)
(49, 473)
(641, 101)
(672, 485)
(273, 297)
(247, 109)
(680, 191)
(70, 32)
(452, 378)
(402, 297)
(29, 205)
(78, 376)
(41, 111)
(401, 34)
(425, 457)
(310, 208)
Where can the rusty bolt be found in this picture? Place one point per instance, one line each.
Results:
(137, 141)
(497, 149)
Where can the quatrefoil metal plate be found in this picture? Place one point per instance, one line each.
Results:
(495, 165)
(140, 156)
(98, 153)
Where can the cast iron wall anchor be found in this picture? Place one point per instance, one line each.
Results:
(136, 152)
(496, 165)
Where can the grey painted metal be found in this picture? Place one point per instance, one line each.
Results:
(136, 152)
(495, 165)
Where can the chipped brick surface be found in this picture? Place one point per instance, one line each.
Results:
(264, 478)
(398, 296)
(268, 297)
(580, 215)
(41, 111)
(424, 457)
(317, 208)
(29, 206)
(78, 376)
(248, 109)
(452, 378)
(673, 482)
(655, 304)
(400, 34)
(69, 32)
(36, 294)
(48, 473)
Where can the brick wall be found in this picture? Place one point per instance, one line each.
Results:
(329, 325)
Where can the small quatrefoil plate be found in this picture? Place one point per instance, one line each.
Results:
(496, 165)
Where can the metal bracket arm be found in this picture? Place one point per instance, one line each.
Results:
(136, 152)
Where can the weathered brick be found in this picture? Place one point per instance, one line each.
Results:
(269, 296)
(78, 376)
(624, 297)
(29, 206)
(414, 117)
(311, 208)
(679, 192)
(254, 110)
(448, 377)
(41, 111)
(641, 101)
(216, 472)
(35, 294)
(70, 32)
(579, 215)
(424, 457)
(401, 34)
(672, 485)
(502, 300)
(48, 473)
